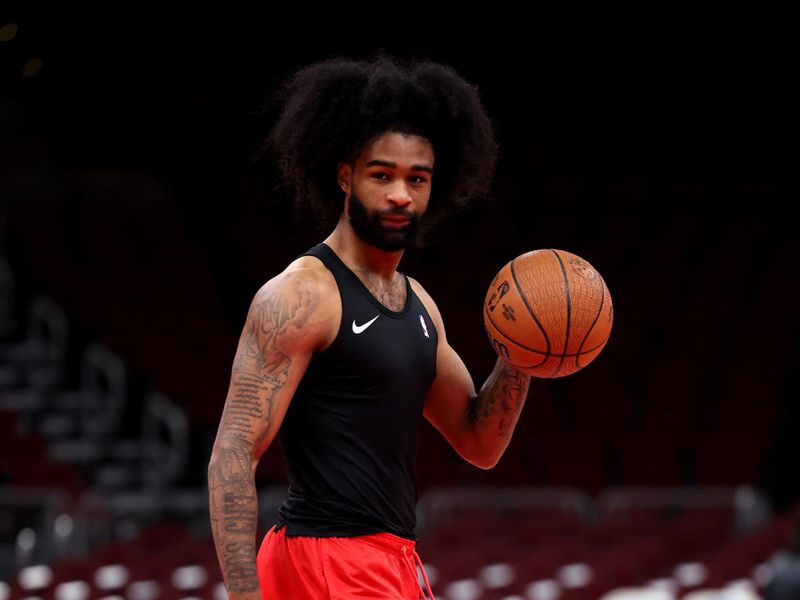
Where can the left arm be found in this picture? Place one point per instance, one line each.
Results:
(478, 425)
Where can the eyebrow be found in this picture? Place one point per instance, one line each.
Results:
(391, 165)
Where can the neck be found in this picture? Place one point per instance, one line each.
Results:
(360, 256)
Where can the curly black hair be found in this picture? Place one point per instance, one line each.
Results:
(330, 109)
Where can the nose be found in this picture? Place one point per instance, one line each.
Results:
(399, 195)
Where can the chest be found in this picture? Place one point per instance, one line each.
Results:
(391, 295)
(377, 354)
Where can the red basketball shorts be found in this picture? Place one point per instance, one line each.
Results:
(380, 566)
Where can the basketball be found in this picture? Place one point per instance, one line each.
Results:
(548, 313)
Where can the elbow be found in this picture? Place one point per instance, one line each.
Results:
(211, 469)
(485, 463)
(215, 462)
(212, 460)
(484, 452)
(475, 445)
(231, 459)
(481, 457)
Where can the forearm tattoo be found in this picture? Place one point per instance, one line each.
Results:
(260, 371)
(500, 401)
(234, 513)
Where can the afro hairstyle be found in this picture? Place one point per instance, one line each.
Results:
(329, 110)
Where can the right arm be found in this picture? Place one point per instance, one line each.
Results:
(288, 320)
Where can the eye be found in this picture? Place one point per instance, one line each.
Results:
(380, 175)
(418, 179)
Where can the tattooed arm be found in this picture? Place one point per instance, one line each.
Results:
(477, 425)
(289, 318)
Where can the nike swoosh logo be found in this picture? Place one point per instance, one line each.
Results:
(359, 328)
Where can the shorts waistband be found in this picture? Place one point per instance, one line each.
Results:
(389, 542)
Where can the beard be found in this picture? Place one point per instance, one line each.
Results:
(369, 229)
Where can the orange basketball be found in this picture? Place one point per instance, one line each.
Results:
(548, 313)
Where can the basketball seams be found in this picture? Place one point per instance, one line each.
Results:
(596, 319)
(507, 339)
(528, 306)
(569, 312)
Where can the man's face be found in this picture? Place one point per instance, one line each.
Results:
(388, 189)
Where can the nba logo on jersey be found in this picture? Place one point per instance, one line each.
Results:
(424, 327)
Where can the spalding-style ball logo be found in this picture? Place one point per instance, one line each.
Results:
(582, 269)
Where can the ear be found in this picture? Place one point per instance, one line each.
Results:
(344, 177)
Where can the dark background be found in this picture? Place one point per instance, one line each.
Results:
(129, 196)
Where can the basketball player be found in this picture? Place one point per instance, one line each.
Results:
(342, 354)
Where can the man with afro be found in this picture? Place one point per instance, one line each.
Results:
(341, 354)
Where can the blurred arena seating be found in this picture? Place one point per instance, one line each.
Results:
(558, 543)
(120, 307)
(107, 452)
(480, 544)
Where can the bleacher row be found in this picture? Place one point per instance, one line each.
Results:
(485, 555)
(492, 557)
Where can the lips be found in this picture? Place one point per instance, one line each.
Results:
(396, 220)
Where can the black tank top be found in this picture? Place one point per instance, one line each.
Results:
(350, 433)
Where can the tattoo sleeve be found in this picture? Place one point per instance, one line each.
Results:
(259, 375)
(497, 407)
